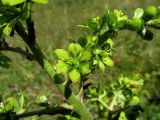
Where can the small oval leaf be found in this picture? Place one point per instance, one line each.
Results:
(138, 13)
(107, 61)
(101, 66)
(61, 54)
(61, 67)
(74, 75)
(85, 56)
(85, 68)
(74, 49)
(13, 103)
(12, 2)
(41, 1)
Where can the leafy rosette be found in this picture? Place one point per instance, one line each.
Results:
(75, 62)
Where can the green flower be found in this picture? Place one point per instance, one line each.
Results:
(75, 62)
(119, 14)
(102, 54)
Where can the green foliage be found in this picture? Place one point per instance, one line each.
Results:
(12, 106)
(122, 116)
(12, 2)
(41, 1)
(118, 97)
(4, 61)
(16, 2)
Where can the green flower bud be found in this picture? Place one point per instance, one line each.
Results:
(150, 12)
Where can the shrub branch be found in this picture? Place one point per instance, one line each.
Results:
(45, 111)
(71, 98)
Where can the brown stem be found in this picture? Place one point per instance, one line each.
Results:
(45, 111)
(17, 50)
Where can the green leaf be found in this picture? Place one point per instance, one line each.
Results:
(74, 75)
(100, 52)
(138, 13)
(27, 11)
(107, 61)
(61, 67)
(103, 26)
(135, 100)
(13, 104)
(12, 2)
(85, 68)
(108, 44)
(107, 9)
(8, 28)
(122, 116)
(120, 24)
(4, 61)
(8, 107)
(101, 107)
(21, 100)
(69, 117)
(21, 110)
(84, 27)
(1, 110)
(155, 23)
(101, 66)
(135, 24)
(61, 54)
(74, 49)
(85, 56)
(109, 41)
(111, 19)
(95, 62)
(41, 1)
(93, 24)
(41, 99)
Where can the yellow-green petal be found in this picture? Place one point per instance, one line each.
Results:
(74, 75)
(61, 67)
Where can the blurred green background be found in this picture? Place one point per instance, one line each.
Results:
(55, 25)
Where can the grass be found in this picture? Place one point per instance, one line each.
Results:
(56, 26)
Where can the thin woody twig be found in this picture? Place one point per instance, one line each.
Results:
(45, 111)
